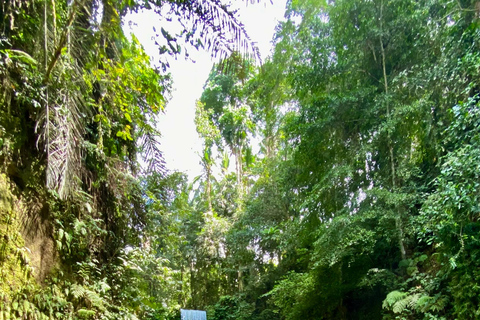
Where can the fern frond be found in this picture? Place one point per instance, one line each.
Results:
(423, 303)
(399, 302)
(85, 313)
(413, 300)
(402, 305)
(426, 303)
(95, 299)
(392, 298)
(77, 291)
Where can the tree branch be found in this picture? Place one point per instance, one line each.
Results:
(62, 43)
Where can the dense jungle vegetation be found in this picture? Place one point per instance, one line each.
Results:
(363, 201)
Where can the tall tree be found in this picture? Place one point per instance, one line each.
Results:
(223, 94)
(79, 102)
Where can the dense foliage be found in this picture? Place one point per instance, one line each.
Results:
(82, 182)
(360, 203)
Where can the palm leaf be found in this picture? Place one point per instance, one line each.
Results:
(218, 26)
(149, 148)
(61, 123)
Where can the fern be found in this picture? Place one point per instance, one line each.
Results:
(392, 298)
(77, 291)
(95, 299)
(85, 313)
(91, 297)
(400, 302)
(401, 305)
(413, 300)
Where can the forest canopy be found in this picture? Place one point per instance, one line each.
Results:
(361, 203)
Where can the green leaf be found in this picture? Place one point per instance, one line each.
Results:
(26, 306)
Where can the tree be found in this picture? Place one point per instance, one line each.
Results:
(79, 105)
(223, 95)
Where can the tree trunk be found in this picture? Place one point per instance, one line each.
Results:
(240, 281)
(398, 218)
(239, 170)
(269, 134)
(209, 187)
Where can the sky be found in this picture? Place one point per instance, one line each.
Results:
(180, 142)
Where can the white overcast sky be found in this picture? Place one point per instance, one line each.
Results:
(180, 142)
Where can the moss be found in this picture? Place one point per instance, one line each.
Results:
(16, 273)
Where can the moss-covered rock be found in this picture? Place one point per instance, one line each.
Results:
(16, 272)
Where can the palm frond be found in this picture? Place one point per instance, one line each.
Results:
(219, 28)
(152, 156)
(62, 132)
(61, 124)
(224, 33)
